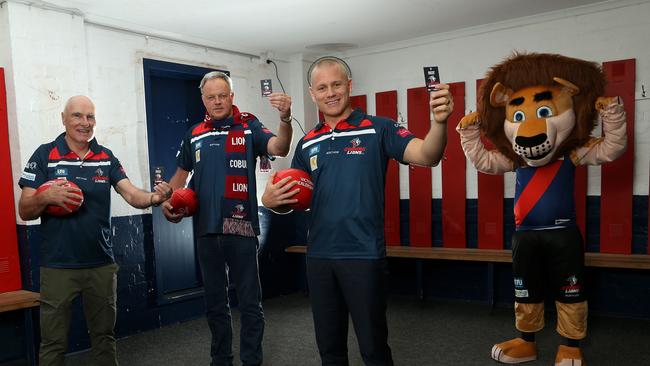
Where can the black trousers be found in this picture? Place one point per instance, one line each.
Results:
(355, 288)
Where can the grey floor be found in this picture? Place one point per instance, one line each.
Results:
(421, 333)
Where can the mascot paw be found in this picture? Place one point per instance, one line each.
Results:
(469, 120)
(514, 351)
(603, 102)
(568, 356)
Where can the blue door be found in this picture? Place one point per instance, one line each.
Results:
(173, 103)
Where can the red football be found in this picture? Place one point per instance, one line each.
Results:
(184, 201)
(57, 210)
(304, 183)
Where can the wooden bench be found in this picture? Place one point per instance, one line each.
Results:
(491, 256)
(629, 261)
(23, 300)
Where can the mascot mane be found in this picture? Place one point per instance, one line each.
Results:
(532, 69)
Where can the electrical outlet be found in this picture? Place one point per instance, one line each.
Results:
(264, 56)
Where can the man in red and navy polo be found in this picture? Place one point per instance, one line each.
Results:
(347, 156)
(76, 253)
(222, 151)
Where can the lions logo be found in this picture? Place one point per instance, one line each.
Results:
(239, 211)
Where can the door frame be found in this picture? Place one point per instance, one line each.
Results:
(158, 68)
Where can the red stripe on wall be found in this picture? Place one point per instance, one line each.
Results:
(386, 106)
(419, 177)
(490, 205)
(9, 260)
(617, 176)
(453, 177)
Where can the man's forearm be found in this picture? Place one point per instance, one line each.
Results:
(283, 139)
(434, 143)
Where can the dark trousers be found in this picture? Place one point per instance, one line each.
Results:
(355, 287)
(224, 257)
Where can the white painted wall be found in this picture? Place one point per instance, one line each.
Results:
(611, 31)
(50, 56)
(56, 55)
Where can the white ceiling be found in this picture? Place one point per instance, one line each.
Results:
(289, 26)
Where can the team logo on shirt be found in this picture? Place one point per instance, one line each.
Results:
(31, 165)
(239, 212)
(61, 172)
(354, 149)
(99, 176)
(403, 132)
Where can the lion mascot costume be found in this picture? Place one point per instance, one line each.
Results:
(539, 111)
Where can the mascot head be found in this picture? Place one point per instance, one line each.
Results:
(538, 107)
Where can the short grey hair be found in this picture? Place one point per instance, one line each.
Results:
(215, 75)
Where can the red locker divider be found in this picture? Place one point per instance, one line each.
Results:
(419, 177)
(9, 260)
(490, 205)
(617, 176)
(386, 106)
(359, 101)
(454, 177)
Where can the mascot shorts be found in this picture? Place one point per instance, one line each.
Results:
(548, 262)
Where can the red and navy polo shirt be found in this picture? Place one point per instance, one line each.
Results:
(81, 239)
(203, 151)
(348, 167)
(544, 196)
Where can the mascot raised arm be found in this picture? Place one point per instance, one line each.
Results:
(539, 111)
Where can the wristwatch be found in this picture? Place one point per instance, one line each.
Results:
(287, 120)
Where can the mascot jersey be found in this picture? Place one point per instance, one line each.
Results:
(544, 196)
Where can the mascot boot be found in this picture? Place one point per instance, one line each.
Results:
(529, 319)
(568, 356)
(571, 324)
(514, 351)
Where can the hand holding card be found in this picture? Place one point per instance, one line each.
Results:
(266, 86)
(431, 78)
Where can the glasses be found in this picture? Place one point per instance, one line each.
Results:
(218, 97)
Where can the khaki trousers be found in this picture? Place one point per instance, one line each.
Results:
(98, 289)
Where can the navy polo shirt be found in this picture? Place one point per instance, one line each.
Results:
(203, 151)
(348, 167)
(81, 239)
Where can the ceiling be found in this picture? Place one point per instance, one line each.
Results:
(291, 26)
